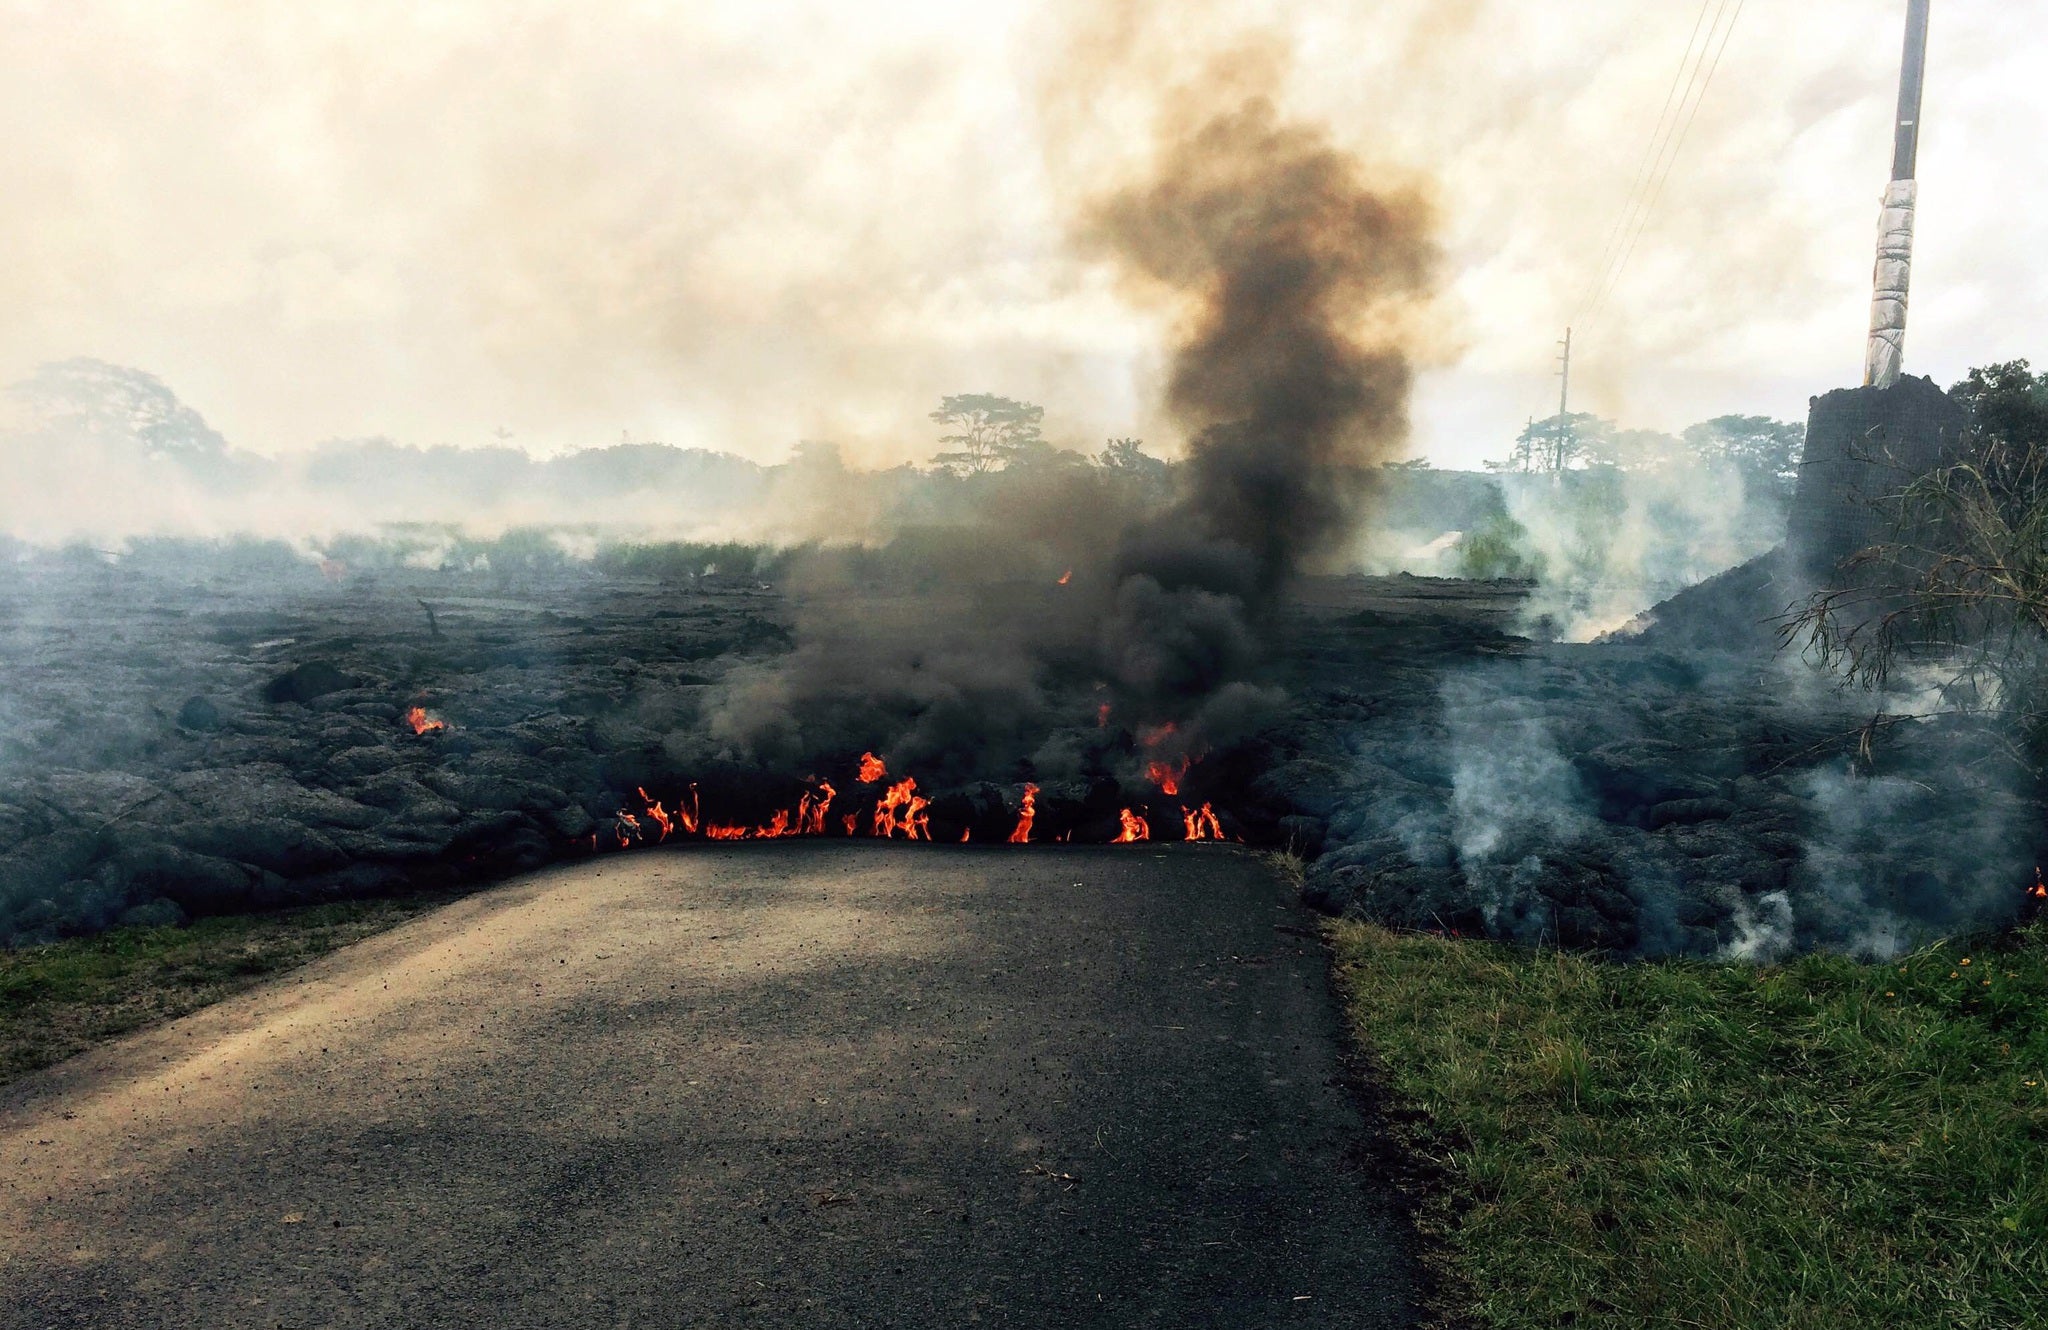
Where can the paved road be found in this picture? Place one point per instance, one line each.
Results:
(794, 1085)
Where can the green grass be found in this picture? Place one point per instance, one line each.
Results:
(1823, 1144)
(60, 999)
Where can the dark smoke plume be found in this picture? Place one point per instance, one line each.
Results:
(1288, 275)
(1289, 259)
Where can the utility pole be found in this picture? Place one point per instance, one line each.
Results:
(1564, 402)
(1885, 355)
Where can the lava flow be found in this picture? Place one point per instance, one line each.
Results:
(898, 811)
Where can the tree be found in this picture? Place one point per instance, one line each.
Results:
(115, 404)
(1128, 456)
(1554, 443)
(1963, 582)
(1765, 451)
(989, 434)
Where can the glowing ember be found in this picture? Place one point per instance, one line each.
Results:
(422, 723)
(1135, 829)
(872, 769)
(1202, 824)
(1066, 577)
(965, 832)
(1102, 716)
(1026, 815)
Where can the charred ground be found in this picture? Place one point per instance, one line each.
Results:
(188, 739)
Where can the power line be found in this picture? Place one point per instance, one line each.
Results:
(1609, 248)
(1682, 101)
(1677, 146)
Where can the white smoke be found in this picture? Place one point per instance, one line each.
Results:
(1507, 772)
(1607, 545)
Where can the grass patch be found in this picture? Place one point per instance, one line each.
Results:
(1822, 1144)
(61, 999)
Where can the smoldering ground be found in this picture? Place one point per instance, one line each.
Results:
(1716, 801)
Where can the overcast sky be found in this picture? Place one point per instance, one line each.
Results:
(740, 224)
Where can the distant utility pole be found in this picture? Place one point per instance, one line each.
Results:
(1564, 402)
(1886, 353)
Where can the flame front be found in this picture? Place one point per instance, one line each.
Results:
(1026, 815)
(900, 812)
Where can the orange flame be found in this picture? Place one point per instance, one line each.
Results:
(422, 723)
(965, 832)
(1102, 716)
(1066, 577)
(658, 813)
(810, 810)
(872, 769)
(902, 810)
(1167, 775)
(1202, 824)
(1025, 817)
(852, 823)
(2039, 891)
(626, 828)
(715, 832)
(1135, 829)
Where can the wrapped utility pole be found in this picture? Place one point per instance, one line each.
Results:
(1887, 348)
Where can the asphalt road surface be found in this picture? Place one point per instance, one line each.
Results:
(801, 1085)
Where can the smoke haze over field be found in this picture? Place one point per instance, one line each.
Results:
(735, 226)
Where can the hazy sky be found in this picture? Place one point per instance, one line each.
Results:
(740, 224)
